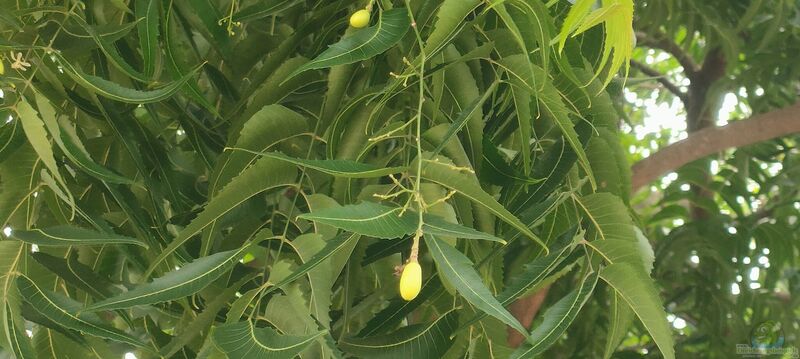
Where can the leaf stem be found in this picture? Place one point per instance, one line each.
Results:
(418, 118)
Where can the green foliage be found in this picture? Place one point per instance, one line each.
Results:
(240, 179)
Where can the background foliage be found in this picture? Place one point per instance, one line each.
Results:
(241, 179)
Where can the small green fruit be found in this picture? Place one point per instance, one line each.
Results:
(359, 19)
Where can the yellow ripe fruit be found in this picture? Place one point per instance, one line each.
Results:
(359, 19)
(410, 281)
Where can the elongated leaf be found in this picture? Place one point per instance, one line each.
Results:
(267, 127)
(363, 44)
(443, 173)
(13, 325)
(108, 48)
(19, 343)
(62, 311)
(618, 19)
(532, 274)
(187, 280)
(376, 220)
(548, 101)
(637, 289)
(37, 137)
(621, 318)
(438, 226)
(64, 236)
(458, 269)
(148, 17)
(608, 215)
(67, 139)
(331, 247)
(205, 319)
(622, 251)
(263, 9)
(11, 136)
(576, 14)
(399, 308)
(74, 272)
(420, 341)
(496, 170)
(248, 184)
(463, 116)
(338, 168)
(117, 92)
(449, 21)
(557, 319)
(243, 340)
(176, 65)
(367, 218)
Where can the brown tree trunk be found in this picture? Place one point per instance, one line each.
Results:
(525, 309)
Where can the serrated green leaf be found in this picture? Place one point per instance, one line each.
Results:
(608, 216)
(438, 226)
(64, 236)
(366, 218)
(108, 48)
(183, 282)
(548, 102)
(557, 319)
(621, 318)
(148, 21)
(249, 183)
(11, 136)
(331, 247)
(637, 289)
(243, 340)
(338, 168)
(263, 9)
(205, 319)
(63, 311)
(625, 251)
(463, 116)
(533, 274)
(74, 272)
(440, 171)
(449, 21)
(363, 44)
(376, 220)
(267, 127)
(67, 139)
(37, 137)
(458, 269)
(116, 91)
(419, 341)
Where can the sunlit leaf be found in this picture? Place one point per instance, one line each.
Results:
(637, 290)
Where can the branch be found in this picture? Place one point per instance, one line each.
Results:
(711, 140)
(663, 43)
(661, 78)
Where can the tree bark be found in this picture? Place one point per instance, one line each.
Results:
(525, 309)
(712, 140)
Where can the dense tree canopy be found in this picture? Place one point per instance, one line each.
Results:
(398, 178)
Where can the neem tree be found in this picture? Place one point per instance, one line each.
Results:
(246, 178)
(724, 227)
